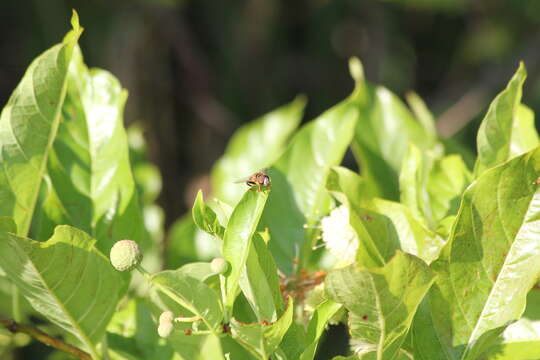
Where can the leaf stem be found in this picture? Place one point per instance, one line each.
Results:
(224, 297)
(39, 335)
(143, 272)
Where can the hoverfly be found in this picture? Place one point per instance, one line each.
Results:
(260, 178)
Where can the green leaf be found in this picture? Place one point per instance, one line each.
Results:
(7, 224)
(238, 237)
(520, 340)
(431, 186)
(492, 258)
(317, 325)
(524, 135)
(200, 347)
(298, 178)
(348, 187)
(422, 114)
(262, 339)
(28, 126)
(381, 301)
(382, 226)
(132, 333)
(383, 133)
(197, 270)
(494, 140)
(260, 282)
(205, 218)
(424, 339)
(192, 294)
(412, 183)
(66, 279)
(90, 184)
(448, 179)
(254, 146)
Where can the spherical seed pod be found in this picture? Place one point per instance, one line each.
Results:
(219, 266)
(165, 329)
(125, 255)
(166, 316)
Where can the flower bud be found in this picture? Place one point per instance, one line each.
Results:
(219, 266)
(125, 255)
(165, 329)
(166, 316)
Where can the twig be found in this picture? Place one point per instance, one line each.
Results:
(39, 335)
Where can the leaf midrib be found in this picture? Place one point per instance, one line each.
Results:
(75, 325)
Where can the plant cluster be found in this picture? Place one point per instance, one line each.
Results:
(426, 253)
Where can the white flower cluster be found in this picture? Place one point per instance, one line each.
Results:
(339, 237)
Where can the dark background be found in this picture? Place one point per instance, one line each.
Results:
(196, 70)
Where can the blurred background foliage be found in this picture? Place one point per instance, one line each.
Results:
(197, 70)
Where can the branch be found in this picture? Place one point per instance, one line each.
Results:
(39, 335)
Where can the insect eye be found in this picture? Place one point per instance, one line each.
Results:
(266, 180)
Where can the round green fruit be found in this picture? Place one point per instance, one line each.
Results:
(125, 255)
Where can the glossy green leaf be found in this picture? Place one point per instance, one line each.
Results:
(238, 237)
(412, 183)
(192, 294)
(197, 270)
(263, 339)
(28, 126)
(422, 114)
(520, 340)
(90, 184)
(253, 147)
(317, 325)
(382, 226)
(494, 140)
(423, 337)
(384, 131)
(66, 279)
(524, 135)
(260, 282)
(348, 187)
(491, 260)
(448, 179)
(298, 178)
(431, 186)
(381, 301)
(205, 218)
(294, 342)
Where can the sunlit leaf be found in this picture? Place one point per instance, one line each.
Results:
(28, 127)
(298, 178)
(384, 131)
(262, 339)
(238, 238)
(494, 141)
(381, 301)
(66, 279)
(260, 282)
(90, 184)
(205, 218)
(317, 325)
(491, 260)
(192, 294)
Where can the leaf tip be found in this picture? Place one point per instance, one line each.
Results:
(77, 29)
(356, 69)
